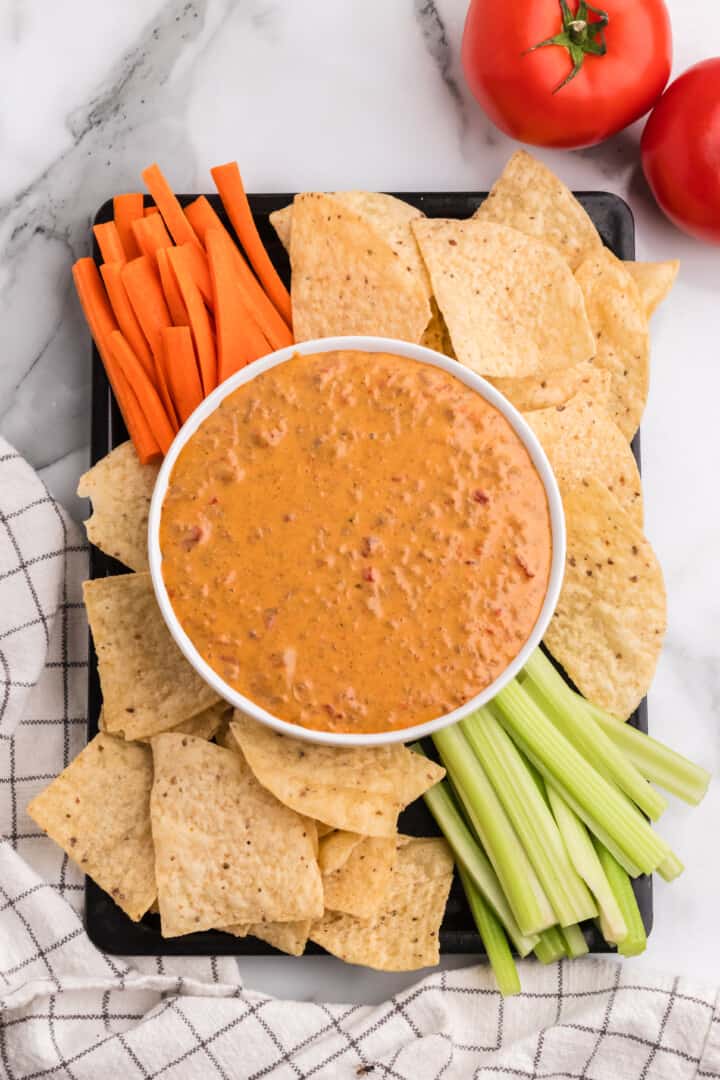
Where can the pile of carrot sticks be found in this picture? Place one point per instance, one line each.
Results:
(178, 304)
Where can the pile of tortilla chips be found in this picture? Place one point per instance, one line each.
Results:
(252, 833)
(525, 294)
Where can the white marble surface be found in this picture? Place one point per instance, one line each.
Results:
(363, 93)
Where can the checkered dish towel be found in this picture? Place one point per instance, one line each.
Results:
(70, 1011)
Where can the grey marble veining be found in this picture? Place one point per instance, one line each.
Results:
(363, 93)
(438, 44)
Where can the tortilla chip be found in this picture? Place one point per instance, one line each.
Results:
(335, 850)
(205, 724)
(281, 221)
(404, 934)
(358, 789)
(147, 684)
(226, 851)
(238, 930)
(120, 489)
(530, 198)
(323, 829)
(608, 627)
(224, 737)
(436, 334)
(98, 811)
(288, 937)
(346, 279)
(582, 441)
(360, 885)
(620, 325)
(654, 281)
(411, 779)
(390, 217)
(510, 302)
(557, 387)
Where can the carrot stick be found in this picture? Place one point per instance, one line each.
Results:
(126, 208)
(201, 216)
(147, 395)
(198, 265)
(94, 301)
(230, 186)
(181, 370)
(239, 340)
(138, 427)
(163, 388)
(197, 315)
(256, 301)
(142, 282)
(166, 395)
(109, 242)
(180, 228)
(126, 318)
(150, 210)
(101, 322)
(173, 298)
(151, 234)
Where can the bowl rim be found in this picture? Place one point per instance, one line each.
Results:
(371, 345)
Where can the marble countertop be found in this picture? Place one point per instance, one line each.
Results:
(360, 94)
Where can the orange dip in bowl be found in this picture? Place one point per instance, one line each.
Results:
(357, 542)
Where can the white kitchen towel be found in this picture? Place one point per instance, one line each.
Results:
(70, 1011)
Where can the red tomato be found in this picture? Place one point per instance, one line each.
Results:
(555, 77)
(681, 151)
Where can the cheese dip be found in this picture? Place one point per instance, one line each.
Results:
(357, 542)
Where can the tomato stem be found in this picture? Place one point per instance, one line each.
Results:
(579, 36)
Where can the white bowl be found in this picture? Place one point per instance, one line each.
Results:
(371, 345)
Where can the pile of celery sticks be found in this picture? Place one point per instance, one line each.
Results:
(546, 807)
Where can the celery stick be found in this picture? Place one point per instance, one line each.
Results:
(531, 817)
(551, 946)
(612, 810)
(585, 816)
(495, 832)
(535, 773)
(493, 938)
(670, 868)
(575, 943)
(657, 763)
(636, 940)
(560, 704)
(586, 862)
(474, 860)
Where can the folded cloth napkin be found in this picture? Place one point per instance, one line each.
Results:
(69, 1011)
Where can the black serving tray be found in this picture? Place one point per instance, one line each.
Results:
(108, 927)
